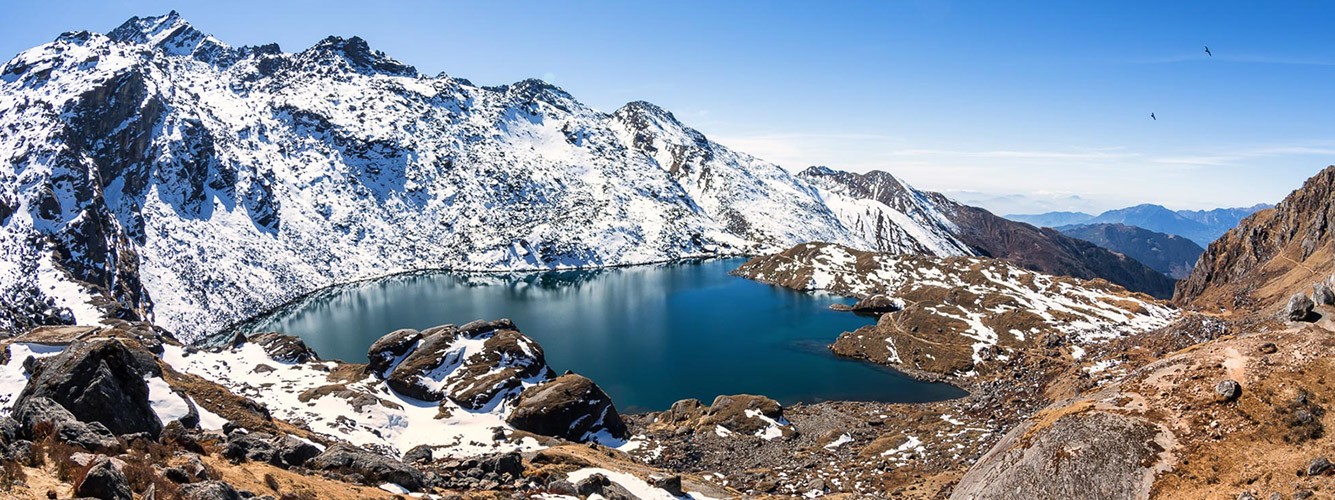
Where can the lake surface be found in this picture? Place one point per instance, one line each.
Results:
(648, 335)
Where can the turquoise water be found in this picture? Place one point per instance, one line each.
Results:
(647, 335)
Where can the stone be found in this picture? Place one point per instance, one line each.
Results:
(506, 360)
(105, 481)
(1227, 390)
(418, 454)
(1268, 348)
(209, 490)
(875, 304)
(285, 348)
(1322, 295)
(569, 407)
(1318, 467)
(281, 451)
(99, 381)
(1299, 308)
(373, 467)
(670, 484)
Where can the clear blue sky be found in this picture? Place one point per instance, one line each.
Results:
(1016, 107)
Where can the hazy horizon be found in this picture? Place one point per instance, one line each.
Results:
(1019, 109)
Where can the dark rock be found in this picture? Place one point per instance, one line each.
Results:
(562, 487)
(100, 381)
(1052, 340)
(32, 411)
(1322, 295)
(1227, 390)
(209, 490)
(1318, 467)
(670, 484)
(372, 467)
(570, 407)
(505, 463)
(742, 413)
(1299, 308)
(105, 481)
(1268, 348)
(285, 348)
(281, 451)
(1247, 495)
(418, 454)
(598, 484)
(383, 353)
(9, 430)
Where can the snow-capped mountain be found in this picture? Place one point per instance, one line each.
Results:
(157, 172)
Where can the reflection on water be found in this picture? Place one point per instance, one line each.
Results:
(648, 335)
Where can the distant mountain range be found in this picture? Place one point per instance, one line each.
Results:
(1201, 226)
(1170, 254)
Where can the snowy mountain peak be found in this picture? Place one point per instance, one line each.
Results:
(359, 56)
(151, 30)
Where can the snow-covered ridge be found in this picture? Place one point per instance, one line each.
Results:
(156, 172)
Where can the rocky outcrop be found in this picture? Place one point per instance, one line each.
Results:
(99, 381)
(570, 407)
(34, 413)
(742, 414)
(1270, 255)
(1082, 455)
(373, 468)
(281, 451)
(1299, 308)
(959, 315)
(285, 348)
(471, 365)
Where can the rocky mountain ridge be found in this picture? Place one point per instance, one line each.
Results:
(1201, 226)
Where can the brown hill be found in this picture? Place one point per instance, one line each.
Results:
(1271, 255)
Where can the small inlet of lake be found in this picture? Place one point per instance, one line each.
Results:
(648, 335)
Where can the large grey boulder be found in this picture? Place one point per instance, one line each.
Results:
(105, 481)
(373, 467)
(209, 490)
(1322, 294)
(99, 381)
(281, 451)
(570, 407)
(1299, 308)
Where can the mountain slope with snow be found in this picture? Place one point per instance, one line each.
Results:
(156, 172)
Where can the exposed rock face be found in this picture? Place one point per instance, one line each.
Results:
(99, 381)
(472, 365)
(373, 467)
(284, 348)
(1169, 254)
(386, 351)
(743, 414)
(960, 314)
(1270, 255)
(282, 451)
(974, 231)
(569, 407)
(1085, 455)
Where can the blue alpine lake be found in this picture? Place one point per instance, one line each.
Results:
(648, 335)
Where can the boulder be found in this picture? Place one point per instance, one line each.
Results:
(1319, 466)
(1227, 390)
(670, 484)
(1322, 295)
(285, 348)
(747, 414)
(448, 362)
(100, 381)
(9, 430)
(209, 490)
(105, 481)
(419, 454)
(1299, 308)
(570, 407)
(372, 467)
(598, 484)
(386, 350)
(280, 451)
(32, 413)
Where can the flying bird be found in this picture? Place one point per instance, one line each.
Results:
(1207, 51)
(1153, 118)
